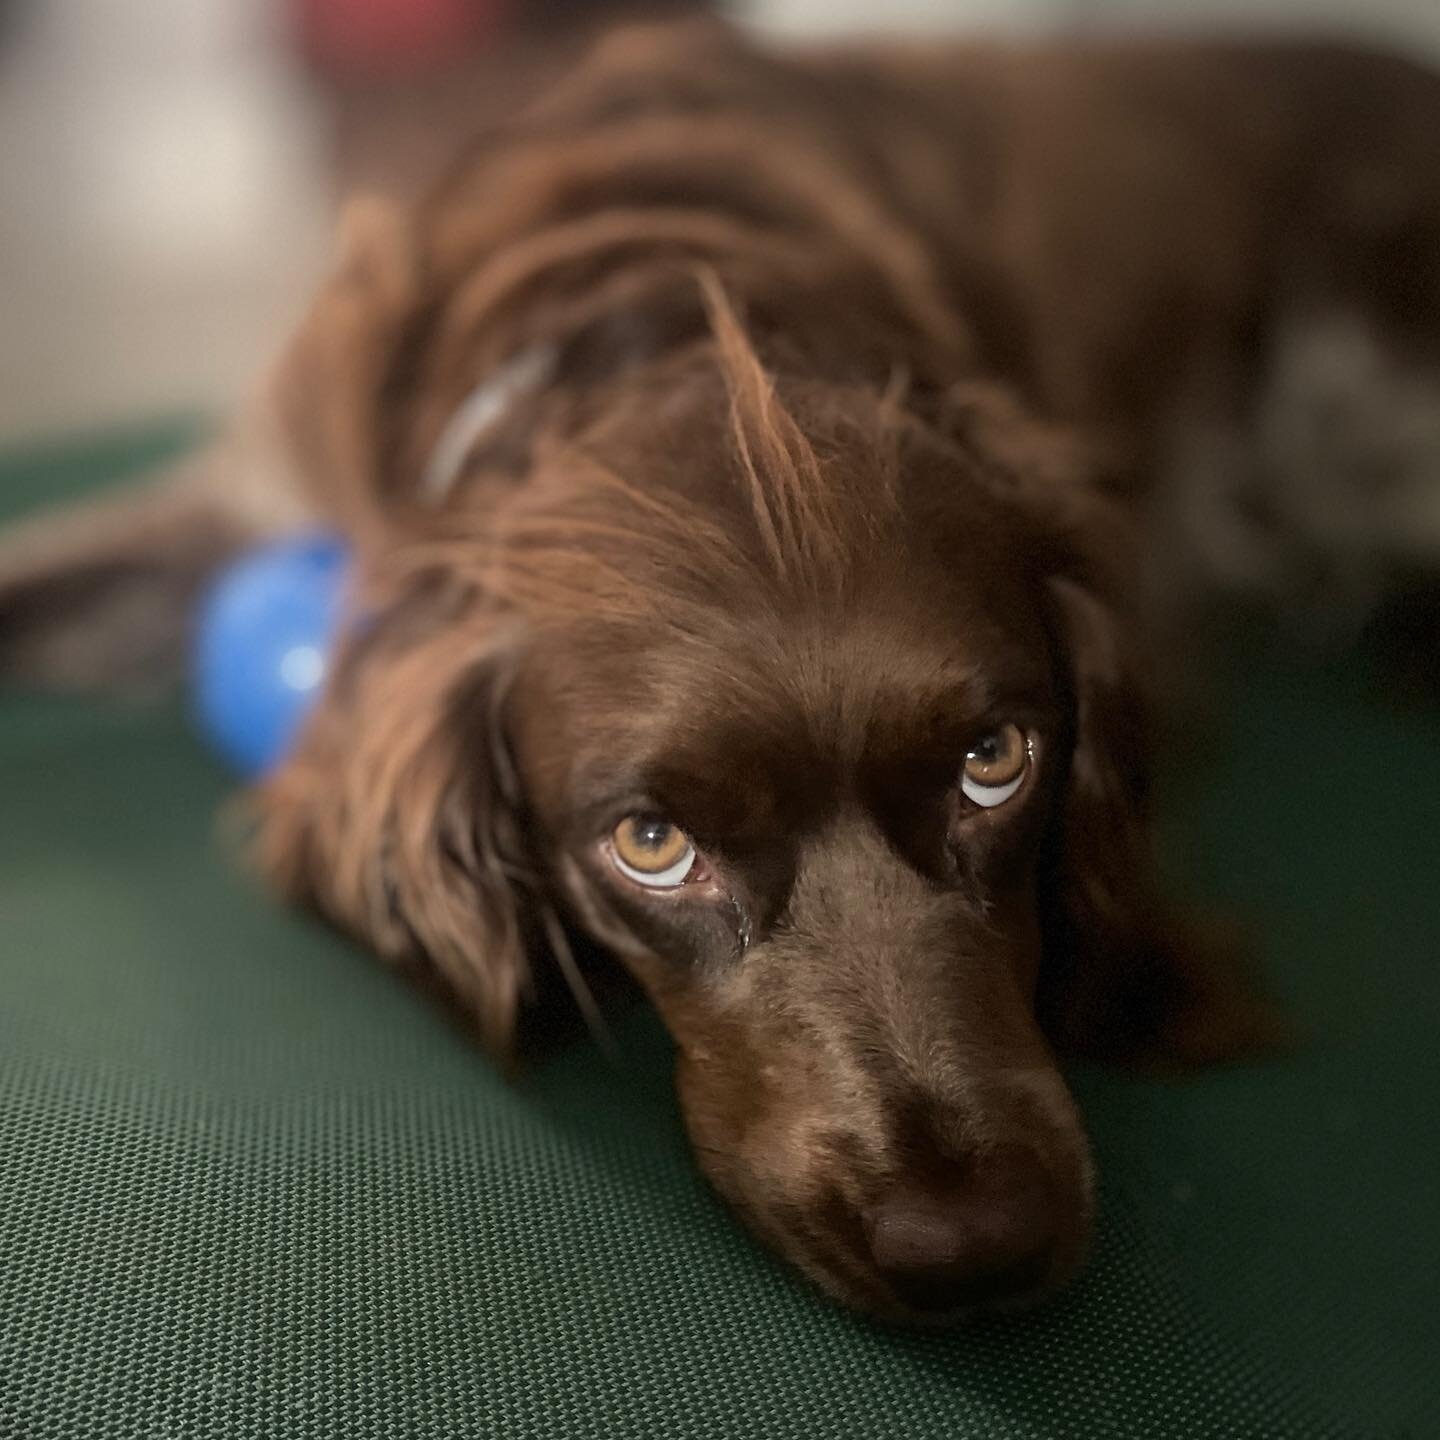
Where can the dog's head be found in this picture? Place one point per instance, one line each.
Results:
(817, 715)
(798, 770)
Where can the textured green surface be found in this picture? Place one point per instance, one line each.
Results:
(252, 1186)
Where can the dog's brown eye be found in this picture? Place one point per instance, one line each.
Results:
(651, 851)
(996, 765)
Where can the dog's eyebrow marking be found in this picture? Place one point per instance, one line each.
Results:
(482, 408)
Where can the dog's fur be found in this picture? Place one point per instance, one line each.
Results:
(847, 381)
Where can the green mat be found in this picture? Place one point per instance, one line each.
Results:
(253, 1186)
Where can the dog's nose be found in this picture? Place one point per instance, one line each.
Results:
(986, 1237)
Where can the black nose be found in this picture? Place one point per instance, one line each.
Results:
(988, 1236)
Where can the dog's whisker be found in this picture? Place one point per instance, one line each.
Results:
(584, 996)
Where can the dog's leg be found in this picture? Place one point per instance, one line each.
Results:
(100, 596)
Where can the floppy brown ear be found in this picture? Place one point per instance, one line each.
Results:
(398, 816)
(1126, 977)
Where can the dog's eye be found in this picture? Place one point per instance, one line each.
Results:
(651, 851)
(995, 766)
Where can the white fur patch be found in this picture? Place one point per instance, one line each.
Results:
(481, 410)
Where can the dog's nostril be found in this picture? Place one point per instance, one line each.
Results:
(981, 1240)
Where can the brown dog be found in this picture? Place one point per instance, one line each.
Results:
(746, 458)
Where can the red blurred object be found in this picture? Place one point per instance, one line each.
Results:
(375, 38)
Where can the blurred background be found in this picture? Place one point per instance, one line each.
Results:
(170, 168)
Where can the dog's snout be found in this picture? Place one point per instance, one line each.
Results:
(988, 1236)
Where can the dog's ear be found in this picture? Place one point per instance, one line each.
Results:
(398, 816)
(1126, 977)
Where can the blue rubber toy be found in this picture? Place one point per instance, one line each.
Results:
(262, 646)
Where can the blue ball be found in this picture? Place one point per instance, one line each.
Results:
(262, 647)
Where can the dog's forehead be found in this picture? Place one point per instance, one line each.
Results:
(766, 714)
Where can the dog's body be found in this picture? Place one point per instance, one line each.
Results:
(792, 538)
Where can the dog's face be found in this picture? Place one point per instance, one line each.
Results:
(811, 823)
(789, 735)
(807, 710)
